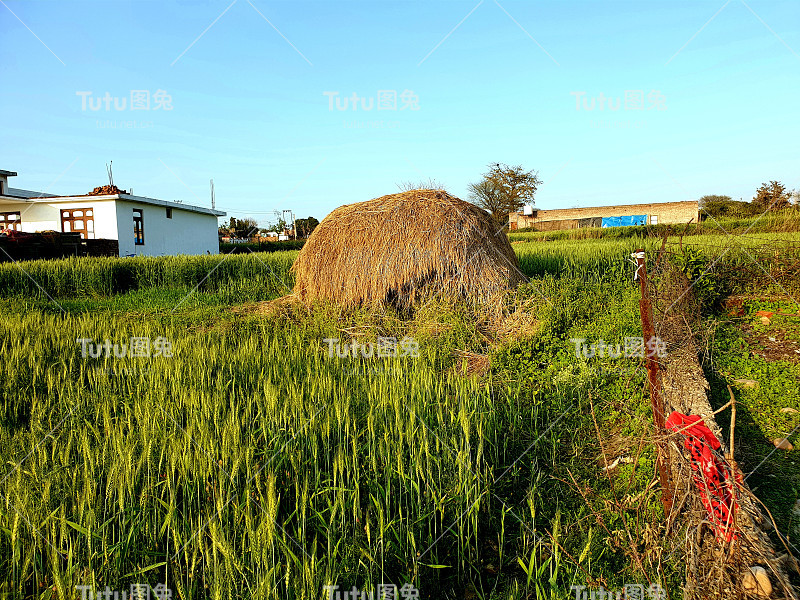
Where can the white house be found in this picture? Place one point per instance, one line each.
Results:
(142, 226)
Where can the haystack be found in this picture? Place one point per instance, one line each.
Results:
(399, 248)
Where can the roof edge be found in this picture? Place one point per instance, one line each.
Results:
(124, 197)
(613, 206)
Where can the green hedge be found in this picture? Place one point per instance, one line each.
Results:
(225, 248)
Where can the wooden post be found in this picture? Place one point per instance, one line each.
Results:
(654, 380)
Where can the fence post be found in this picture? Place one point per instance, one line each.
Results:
(654, 381)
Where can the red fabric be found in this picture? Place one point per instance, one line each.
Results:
(713, 475)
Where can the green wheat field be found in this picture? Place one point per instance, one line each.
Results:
(244, 462)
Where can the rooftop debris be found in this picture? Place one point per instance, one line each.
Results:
(105, 190)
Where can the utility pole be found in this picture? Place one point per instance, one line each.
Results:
(291, 220)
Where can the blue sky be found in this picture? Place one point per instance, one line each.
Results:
(707, 96)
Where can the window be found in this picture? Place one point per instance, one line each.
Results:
(169, 213)
(138, 227)
(653, 219)
(78, 220)
(2, 188)
(10, 220)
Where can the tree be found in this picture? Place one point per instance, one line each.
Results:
(711, 198)
(305, 226)
(717, 207)
(280, 226)
(488, 196)
(242, 228)
(239, 228)
(771, 196)
(505, 189)
(230, 228)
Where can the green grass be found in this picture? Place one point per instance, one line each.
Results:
(284, 246)
(250, 276)
(295, 471)
(600, 260)
(774, 474)
(249, 464)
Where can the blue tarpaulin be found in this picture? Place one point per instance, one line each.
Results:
(624, 221)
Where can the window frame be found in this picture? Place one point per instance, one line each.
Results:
(138, 227)
(68, 216)
(14, 224)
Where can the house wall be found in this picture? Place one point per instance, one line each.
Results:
(666, 212)
(568, 224)
(44, 216)
(185, 233)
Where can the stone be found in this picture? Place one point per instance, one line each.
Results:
(782, 444)
(747, 384)
(756, 581)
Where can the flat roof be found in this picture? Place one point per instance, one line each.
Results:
(612, 206)
(8, 173)
(26, 195)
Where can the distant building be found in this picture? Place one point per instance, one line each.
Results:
(607, 216)
(142, 226)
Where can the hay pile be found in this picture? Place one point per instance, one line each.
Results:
(397, 249)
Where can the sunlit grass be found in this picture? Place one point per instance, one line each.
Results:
(249, 276)
(249, 464)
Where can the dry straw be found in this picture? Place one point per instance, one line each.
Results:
(400, 248)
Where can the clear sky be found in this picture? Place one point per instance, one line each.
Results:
(706, 96)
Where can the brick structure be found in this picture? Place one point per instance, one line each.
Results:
(573, 218)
